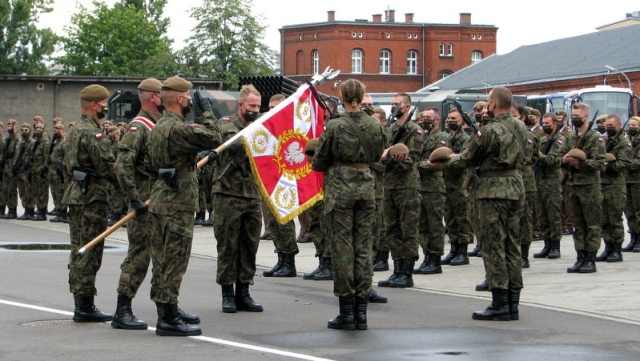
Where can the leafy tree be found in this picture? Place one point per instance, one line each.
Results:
(24, 47)
(153, 10)
(118, 41)
(226, 43)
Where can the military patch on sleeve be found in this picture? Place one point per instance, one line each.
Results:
(225, 119)
(133, 129)
(559, 142)
(600, 140)
(99, 136)
(630, 145)
(443, 142)
(105, 147)
(529, 141)
(419, 132)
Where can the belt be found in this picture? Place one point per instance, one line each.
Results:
(498, 173)
(526, 167)
(352, 165)
(187, 175)
(434, 173)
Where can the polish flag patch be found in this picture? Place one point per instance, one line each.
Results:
(99, 136)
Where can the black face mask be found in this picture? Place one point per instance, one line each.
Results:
(478, 117)
(37, 135)
(25, 135)
(102, 113)
(485, 120)
(400, 112)
(633, 132)
(602, 129)
(578, 122)
(57, 136)
(547, 129)
(611, 131)
(560, 124)
(11, 130)
(187, 108)
(368, 110)
(250, 116)
(454, 126)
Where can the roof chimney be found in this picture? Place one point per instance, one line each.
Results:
(465, 18)
(408, 17)
(391, 16)
(331, 15)
(377, 18)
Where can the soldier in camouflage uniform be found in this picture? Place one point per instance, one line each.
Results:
(237, 208)
(632, 204)
(88, 167)
(455, 217)
(116, 196)
(22, 170)
(583, 182)
(498, 152)
(173, 148)
(612, 182)
(531, 151)
(347, 148)
(56, 177)
(433, 194)
(9, 182)
(205, 184)
(39, 181)
(3, 202)
(402, 194)
(564, 128)
(549, 182)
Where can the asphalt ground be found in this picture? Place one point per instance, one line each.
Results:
(562, 316)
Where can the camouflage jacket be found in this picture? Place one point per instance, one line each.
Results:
(405, 174)
(498, 149)
(550, 161)
(633, 169)
(86, 149)
(429, 182)
(40, 155)
(25, 149)
(56, 155)
(10, 151)
(531, 153)
(588, 171)
(453, 178)
(614, 172)
(175, 144)
(340, 147)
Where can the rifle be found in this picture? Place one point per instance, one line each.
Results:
(466, 119)
(403, 127)
(538, 170)
(580, 144)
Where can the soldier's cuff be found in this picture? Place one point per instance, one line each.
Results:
(133, 195)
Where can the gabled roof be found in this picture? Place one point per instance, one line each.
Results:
(563, 59)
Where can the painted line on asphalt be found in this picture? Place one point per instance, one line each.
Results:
(200, 338)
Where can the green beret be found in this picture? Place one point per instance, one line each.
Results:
(58, 126)
(176, 83)
(1, 125)
(535, 112)
(94, 93)
(150, 85)
(577, 154)
(311, 146)
(38, 126)
(26, 125)
(441, 154)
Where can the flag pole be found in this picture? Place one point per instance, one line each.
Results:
(316, 80)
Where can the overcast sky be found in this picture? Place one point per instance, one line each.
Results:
(519, 22)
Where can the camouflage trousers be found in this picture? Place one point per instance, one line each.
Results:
(380, 243)
(10, 189)
(116, 198)
(25, 191)
(317, 229)
(455, 216)
(136, 264)
(549, 203)
(431, 227)
(236, 225)
(40, 190)
(585, 208)
(85, 223)
(526, 227)
(632, 207)
(284, 236)
(500, 233)
(57, 190)
(402, 219)
(171, 240)
(613, 200)
(205, 185)
(351, 222)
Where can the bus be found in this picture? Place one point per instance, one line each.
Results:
(547, 103)
(604, 99)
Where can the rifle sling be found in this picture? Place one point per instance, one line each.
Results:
(366, 145)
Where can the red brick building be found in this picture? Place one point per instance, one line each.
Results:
(386, 55)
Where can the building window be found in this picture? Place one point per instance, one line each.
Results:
(479, 37)
(412, 62)
(388, 35)
(385, 61)
(476, 56)
(353, 34)
(473, 37)
(443, 74)
(356, 61)
(315, 56)
(449, 49)
(300, 36)
(441, 49)
(315, 35)
(359, 35)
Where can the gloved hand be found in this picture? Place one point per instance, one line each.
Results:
(14, 170)
(213, 156)
(43, 171)
(139, 206)
(202, 154)
(59, 169)
(202, 103)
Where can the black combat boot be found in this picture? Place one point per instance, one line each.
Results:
(288, 268)
(554, 249)
(276, 268)
(361, 313)
(199, 219)
(544, 252)
(110, 219)
(64, 216)
(616, 253)
(40, 215)
(405, 278)
(514, 301)
(588, 266)
(54, 212)
(346, 319)
(11, 214)
(452, 254)
(461, 257)
(171, 324)
(375, 297)
(124, 317)
(397, 263)
(27, 215)
(382, 262)
(326, 272)
(498, 310)
(605, 254)
(59, 216)
(2, 208)
(579, 261)
(475, 251)
(309, 275)
(206, 222)
(228, 299)
(636, 248)
(424, 263)
(433, 267)
(484, 286)
(86, 311)
(244, 302)
(632, 242)
(525, 255)
(188, 318)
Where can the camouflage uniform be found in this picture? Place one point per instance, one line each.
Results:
(349, 205)
(116, 196)
(565, 217)
(237, 210)
(632, 204)
(380, 244)
(317, 229)
(86, 150)
(498, 153)
(56, 177)
(3, 196)
(39, 181)
(455, 217)
(174, 144)
(531, 151)
(25, 149)
(9, 180)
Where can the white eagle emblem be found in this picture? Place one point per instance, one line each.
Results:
(294, 154)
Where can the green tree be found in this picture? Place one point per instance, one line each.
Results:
(23, 47)
(117, 41)
(153, 10)
(226, 43)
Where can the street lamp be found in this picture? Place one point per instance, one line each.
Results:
(610, 68)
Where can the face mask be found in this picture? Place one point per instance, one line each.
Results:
(611, 131)
(478, 117)
(633, 132)
(602, 128)
(25, 135)
(112, 138)
(11, 130)
(426, 125)
(57, 136)
(454, 126)
(547, 129)
(37, 135)
(187, 108)
(530, 122)
(485, 119)
(400, 113)
(160, 108)
(368, 110)
(577, 121)
(490, 112)
(560, 124)
(250, 116)
(102, 113)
